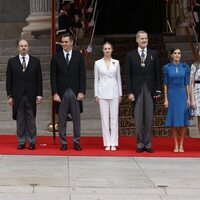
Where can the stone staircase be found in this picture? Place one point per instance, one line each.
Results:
(182, 43)
(90, 118)
(123, 45)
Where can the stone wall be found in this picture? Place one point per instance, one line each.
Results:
(12, 11)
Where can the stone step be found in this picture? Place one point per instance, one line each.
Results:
(183, 46)
(89, 113)
(90, 110)
(12, 43)
(46, 74)
(44, 65)
(43, 50)
(88, 127)
(90, 118)
(46, 84)
(47, 95)
(177, 39)
(43, 58)
(46, 41)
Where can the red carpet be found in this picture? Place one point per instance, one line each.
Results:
(92, 146)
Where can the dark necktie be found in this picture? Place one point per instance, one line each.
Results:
(23, 64)
(67, 58)
(142, 54)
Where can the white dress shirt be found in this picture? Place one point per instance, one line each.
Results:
(69, 56)
(140, 51)
(27, 57)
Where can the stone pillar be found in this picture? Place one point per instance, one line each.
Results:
(39, 19)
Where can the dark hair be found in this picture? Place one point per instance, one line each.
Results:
(68, 35)
(174, 49)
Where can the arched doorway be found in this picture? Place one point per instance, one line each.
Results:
(129, 16)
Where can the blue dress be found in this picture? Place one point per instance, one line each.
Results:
(176, 78)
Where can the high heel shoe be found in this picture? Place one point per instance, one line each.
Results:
(181, 150)
(176, 150)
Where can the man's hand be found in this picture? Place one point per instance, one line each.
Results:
(157, 94)
(80, 96)
(56, 98)
(131, 97)
(10, 101)
(38, 99)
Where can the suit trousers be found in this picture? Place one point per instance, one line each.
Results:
(109, 109)
(69, 104)
(143, 114)
(26, 127)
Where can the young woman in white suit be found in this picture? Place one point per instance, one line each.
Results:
(108, 93)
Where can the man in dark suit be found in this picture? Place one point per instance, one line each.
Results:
(24, 90)
(143, 84)
(65, 21)
(68, 83)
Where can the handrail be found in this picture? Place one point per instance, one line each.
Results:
(93, 21)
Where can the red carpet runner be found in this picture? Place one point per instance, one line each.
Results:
(93, 146)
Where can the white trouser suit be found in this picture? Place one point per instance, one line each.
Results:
(108, 89)
(109, 108)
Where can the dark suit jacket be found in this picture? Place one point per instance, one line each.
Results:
(20, 83)
(136, 75)
(65, 76)
(66, 22)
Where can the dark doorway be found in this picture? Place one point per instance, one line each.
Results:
(129, 16)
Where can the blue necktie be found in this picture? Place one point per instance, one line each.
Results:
(142, 54)
(67, 58)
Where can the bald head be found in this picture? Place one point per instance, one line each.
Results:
(22, 46)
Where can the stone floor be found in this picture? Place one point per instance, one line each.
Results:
(99, 178)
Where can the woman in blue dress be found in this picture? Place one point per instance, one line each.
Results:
(176, 97)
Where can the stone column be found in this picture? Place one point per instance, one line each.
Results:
(39, 19)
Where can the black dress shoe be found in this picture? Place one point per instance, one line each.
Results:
(149, 150)
(21, 146)
(63, 147)
(139, 150)
(31, 147)
(77, 147)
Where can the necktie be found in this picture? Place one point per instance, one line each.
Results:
(23, 64)
(142, 54)
(67, 58)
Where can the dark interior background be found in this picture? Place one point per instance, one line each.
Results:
(129, 16)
